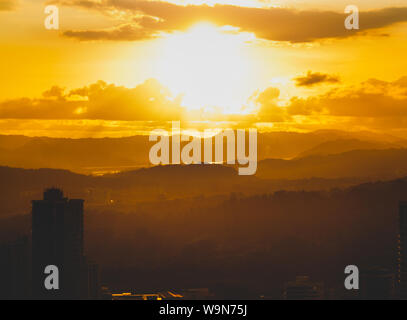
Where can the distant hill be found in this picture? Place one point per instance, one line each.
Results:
(106, 155)
(285, 145)
(176, 173)
(346, 145)
(130, 188)
(79, 155)
(19, 186)
(373, 164)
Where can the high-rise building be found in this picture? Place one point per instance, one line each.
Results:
(402, 251)
(57, 239)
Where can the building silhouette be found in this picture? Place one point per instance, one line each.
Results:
(303, 289)
(58, 239)
(93, 281)
(402, 252)
(15, 269)
(377, 283)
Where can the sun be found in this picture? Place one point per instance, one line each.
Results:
(209, 66)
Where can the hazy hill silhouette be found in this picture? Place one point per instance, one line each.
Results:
(346, 145)
(79, 155)
(373, 164)
(176, 173)
(114, 154)
(19, 186)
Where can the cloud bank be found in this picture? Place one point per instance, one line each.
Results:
(148, 19)
(148, 101)
(373, 104)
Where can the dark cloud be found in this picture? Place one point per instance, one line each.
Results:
(125, 32)
(150, 18)
(149, 101)
(314, 78)
(6, 5)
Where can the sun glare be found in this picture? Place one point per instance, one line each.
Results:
(209, 66)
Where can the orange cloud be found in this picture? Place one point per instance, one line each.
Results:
(269, 110)
(148, 101)
(374, 104)
(373, 98)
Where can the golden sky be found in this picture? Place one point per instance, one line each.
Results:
(121, 67)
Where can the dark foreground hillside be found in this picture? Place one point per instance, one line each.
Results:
(242, 245)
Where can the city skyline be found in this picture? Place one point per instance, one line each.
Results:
(57, 240)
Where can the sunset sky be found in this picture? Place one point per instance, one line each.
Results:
(124, 67)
